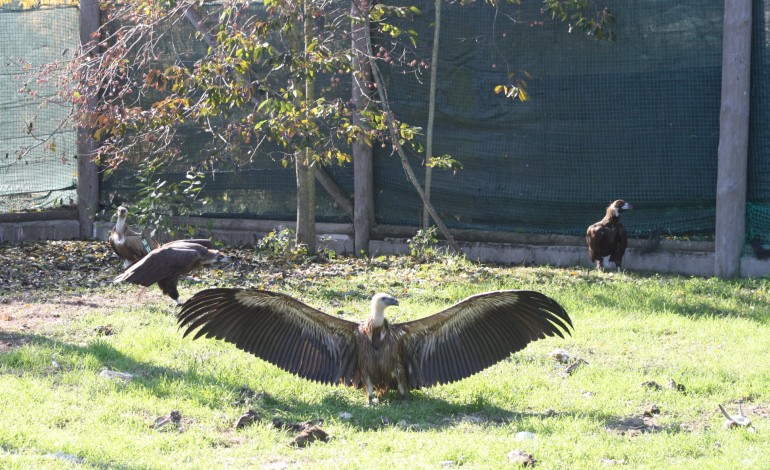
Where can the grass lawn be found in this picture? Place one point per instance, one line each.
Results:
(636, 332)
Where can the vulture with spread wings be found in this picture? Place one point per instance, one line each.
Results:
(166, 264)
(453, 344)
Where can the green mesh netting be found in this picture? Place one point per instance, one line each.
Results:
(636, 119)
(758, 196)
(38, 168)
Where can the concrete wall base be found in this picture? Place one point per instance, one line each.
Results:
(675, 257)
(16, 232)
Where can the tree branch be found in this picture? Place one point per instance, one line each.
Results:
(388, 114)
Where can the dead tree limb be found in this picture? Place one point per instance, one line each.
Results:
(393, 129)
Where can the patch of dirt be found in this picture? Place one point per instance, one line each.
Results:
(18, 318)
(633, 426)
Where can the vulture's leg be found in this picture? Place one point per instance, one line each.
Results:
(168, 286)
(369, 389)
(403, 392)
(599, 264)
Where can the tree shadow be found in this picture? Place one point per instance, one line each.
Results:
(152, 377)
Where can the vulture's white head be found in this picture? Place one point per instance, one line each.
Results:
(620, 206)
(379, 303)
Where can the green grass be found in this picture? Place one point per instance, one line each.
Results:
(711, 336)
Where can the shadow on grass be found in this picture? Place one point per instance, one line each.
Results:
(420, 412)
(690, 307)
(98, 354)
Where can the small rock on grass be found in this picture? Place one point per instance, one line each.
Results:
(310, 434)
(560, 355)
(174, 418)
(521, 458)
(524, 436)
(67, 457)
(651, 410)
(247, 418)
(113, 374)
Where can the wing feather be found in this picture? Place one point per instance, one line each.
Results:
(205, 242)
(159, 264)
(478, 332)
(277, 328)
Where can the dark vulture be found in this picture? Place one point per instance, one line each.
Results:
(608, 237)
(376, 355)
(164, 265)
(759, 251)
(130, 246)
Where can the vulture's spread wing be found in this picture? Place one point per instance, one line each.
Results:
(277, 328)
(476, 333)
(161, 263)
(198, 241)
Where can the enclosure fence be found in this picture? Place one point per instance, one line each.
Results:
(38, 167)
(634, 119)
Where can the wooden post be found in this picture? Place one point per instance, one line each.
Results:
(733, 139)
(88, 170)
(363, 173)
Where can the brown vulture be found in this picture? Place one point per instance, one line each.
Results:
(453, 344)
(127, 244)
(608, 237)
(164, 265)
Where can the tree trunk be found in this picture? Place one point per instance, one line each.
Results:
(305, 200)
(305, 169)
(363, 173)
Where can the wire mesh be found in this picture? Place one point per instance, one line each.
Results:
(38, 166)
(636, 119)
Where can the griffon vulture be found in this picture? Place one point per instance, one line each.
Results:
(127, 244)
(448, 346)
(164, 265)
(608, 236)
